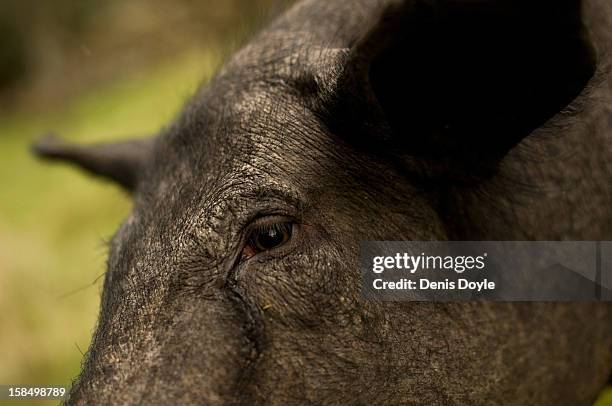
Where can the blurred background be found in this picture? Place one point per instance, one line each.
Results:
(89, 71)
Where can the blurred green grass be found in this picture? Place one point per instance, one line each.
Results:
(605, 399)
(54, 220)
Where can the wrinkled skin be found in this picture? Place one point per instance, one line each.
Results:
(185, 319)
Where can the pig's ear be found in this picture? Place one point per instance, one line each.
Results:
(463, 79)
(121, 162)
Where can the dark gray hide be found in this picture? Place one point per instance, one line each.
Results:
(363, 120)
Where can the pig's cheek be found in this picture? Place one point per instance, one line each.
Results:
(310, 288)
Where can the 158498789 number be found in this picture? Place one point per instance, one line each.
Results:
(38, 392)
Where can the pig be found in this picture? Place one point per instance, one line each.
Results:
(235, 279)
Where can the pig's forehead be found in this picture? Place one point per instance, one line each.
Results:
(253, 123)
(259, 97)
(239, 126)
(263, 135)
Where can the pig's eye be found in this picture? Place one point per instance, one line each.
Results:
(266, 236)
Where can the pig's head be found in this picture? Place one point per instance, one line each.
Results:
(235, 278)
